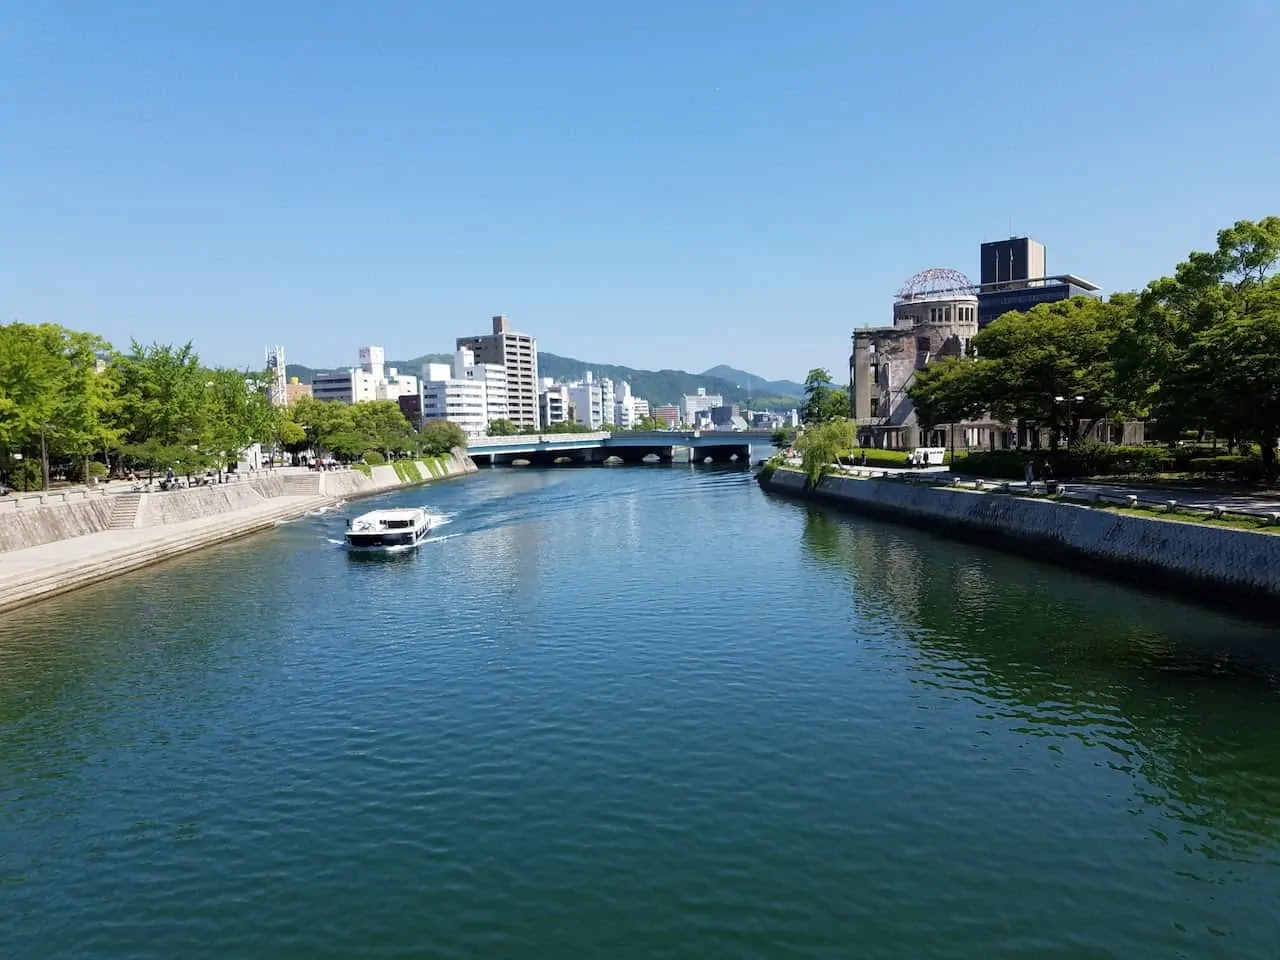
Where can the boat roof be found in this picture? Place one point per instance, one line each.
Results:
(395, 513)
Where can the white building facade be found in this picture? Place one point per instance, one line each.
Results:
(372, 380)
(472, 395)
(628, 409)
(587, 402)
(693, 404)
(553, 402)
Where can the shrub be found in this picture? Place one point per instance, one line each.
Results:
(1244, 469)
(374, 458)
(1083, 460)
(875, 458)
(76, 474)
(27, 475)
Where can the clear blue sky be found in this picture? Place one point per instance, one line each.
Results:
(658, 184)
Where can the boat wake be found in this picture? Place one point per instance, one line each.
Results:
(442, 538)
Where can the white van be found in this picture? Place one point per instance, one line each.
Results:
(927, 457)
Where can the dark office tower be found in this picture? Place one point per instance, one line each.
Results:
(1013, 260)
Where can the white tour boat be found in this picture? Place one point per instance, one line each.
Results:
(388, 529)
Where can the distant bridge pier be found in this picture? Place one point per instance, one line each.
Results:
(740, 454)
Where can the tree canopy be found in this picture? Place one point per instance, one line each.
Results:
(822, 400)
(66, 397)
(1197, 352)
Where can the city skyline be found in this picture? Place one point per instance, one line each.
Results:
(765, 191)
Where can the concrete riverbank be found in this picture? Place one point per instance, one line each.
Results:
(1212, 562)
(67, 543)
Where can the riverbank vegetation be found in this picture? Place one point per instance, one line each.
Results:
(72, 406)
(1196, 355)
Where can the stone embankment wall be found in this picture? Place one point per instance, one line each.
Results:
(29, 522)
(1217, 561)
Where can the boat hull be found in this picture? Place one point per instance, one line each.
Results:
(387, 540)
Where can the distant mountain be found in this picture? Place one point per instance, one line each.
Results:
(656, 386)
(757, 385)
(668, 386)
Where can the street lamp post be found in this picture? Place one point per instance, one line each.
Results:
(1069, 401)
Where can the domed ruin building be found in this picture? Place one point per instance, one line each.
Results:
(935, 315)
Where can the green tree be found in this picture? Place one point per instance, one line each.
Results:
(234, 413)
(502, 428)
(608, 427)
(1202, 350)
(31, 377)
(648, 424)
(441, 436)
(822, 400)
(949, 391)
(1031, 366)
(782, 438)
(822, 445)
(321, 421)
(567, 426)
(162, 394)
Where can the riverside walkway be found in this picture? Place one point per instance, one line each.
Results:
(52, 568)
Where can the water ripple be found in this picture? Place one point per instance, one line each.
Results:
(632, 713)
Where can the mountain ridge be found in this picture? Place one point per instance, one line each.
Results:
(657, 386)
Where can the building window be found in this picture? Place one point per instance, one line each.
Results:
(922, 344)
(875, 405)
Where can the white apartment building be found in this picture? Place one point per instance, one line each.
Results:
(587, 400)
(693, 404)
(494, 378)
(553, 402)
(470, 394)
(627, 407)
(458, 401)
(607, 400)
(372, 380)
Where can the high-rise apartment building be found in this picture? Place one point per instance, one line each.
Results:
(518, 353)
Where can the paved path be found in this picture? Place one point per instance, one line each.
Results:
(1242, 501)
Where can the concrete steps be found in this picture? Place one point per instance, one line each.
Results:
(298, 486)
(124, 511)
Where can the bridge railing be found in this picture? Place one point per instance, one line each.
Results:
(527, 439)
(629, 438)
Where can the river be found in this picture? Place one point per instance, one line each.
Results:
(640, 712)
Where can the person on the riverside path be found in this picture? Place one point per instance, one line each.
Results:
(1029, 471)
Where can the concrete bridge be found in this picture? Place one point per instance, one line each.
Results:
(666, 446)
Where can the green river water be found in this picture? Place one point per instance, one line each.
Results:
(635, 712)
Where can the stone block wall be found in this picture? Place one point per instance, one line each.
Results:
(1239, 561)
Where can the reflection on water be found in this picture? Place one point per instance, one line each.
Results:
(634, 712)
(1184, 700)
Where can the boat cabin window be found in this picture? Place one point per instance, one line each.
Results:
(398, 524)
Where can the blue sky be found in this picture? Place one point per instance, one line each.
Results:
(656, 184)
